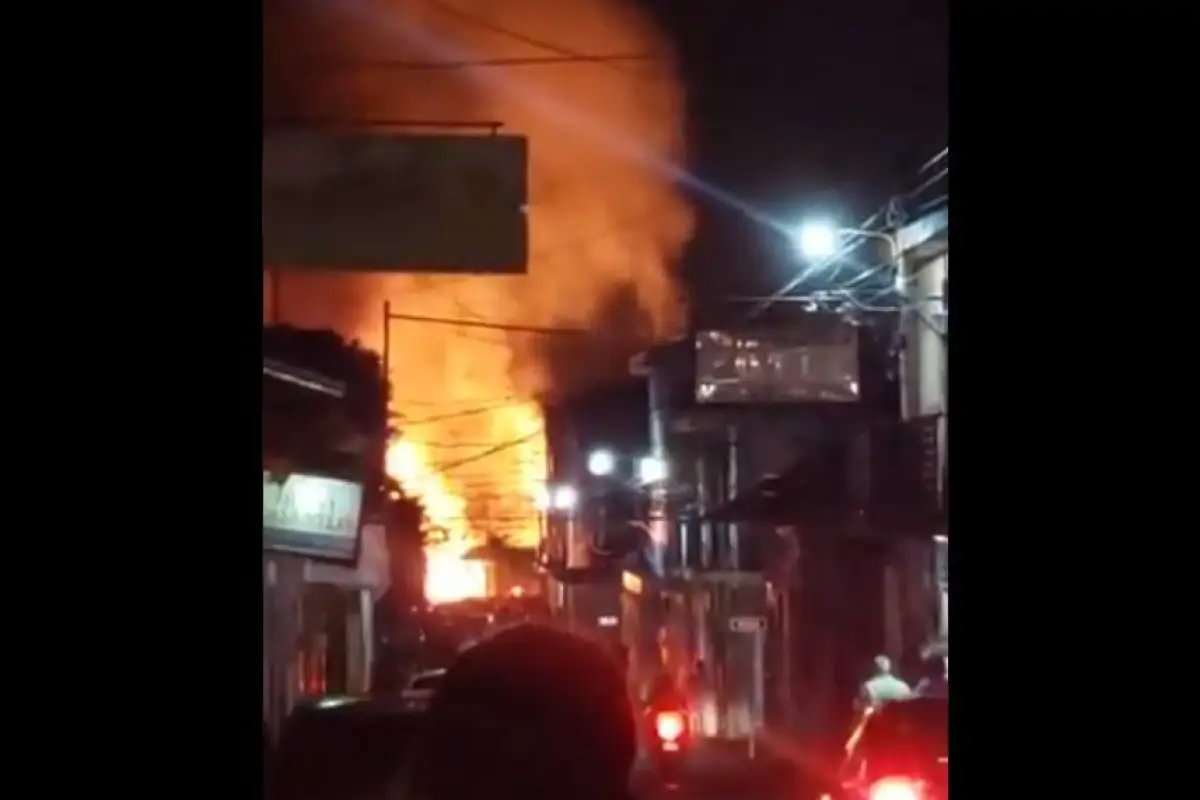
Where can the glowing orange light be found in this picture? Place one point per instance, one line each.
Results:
(454, 530)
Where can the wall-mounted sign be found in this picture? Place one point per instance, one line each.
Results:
(312, 516)
(747, 624)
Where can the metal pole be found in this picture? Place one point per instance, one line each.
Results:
(756, 697)
(908, 375)
(702, 496)
(387, 349)
(367, 617)
(786, 693)
(735, 560)
(657, 521)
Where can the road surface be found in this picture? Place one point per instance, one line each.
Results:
(716, 773)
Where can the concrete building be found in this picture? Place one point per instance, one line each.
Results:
(924, 283)
(323, 569)
(589, 520)
(796, 538)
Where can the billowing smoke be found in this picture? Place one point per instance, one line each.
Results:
(606, 225)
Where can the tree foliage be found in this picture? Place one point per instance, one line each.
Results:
(346, 435)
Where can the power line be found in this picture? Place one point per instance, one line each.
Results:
(451, 445)
(868, 224)
(492, 326)
(514, 35)
(475, 402)
(937, 159)
(490, 452)
(563, 113)
(484, 63)
(470, 412)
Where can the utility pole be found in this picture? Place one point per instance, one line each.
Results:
(387, 341)
(733, 551)
(921, 283)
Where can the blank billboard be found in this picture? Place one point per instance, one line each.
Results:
(786, 365)
(419, 203)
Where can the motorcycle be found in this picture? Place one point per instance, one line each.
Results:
(669, 742)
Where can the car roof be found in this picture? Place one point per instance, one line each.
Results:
(429, 673)
(350, 707)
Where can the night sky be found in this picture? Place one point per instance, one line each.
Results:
(803, 107)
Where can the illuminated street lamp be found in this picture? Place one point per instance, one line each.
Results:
(652, 469)
(816, 240)
(601, 463)
(564, 498)
(820, 239)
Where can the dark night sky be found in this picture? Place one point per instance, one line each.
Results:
(818, 106)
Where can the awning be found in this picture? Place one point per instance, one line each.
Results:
(807, 489)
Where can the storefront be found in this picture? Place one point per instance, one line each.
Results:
(321, 578)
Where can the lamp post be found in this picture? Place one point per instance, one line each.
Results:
(601, 463)
(821, 239)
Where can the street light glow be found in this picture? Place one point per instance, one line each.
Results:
(565, 498)
(601, 463)
(817, 239)
(652, 469)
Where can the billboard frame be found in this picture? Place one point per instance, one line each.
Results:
(784, 336)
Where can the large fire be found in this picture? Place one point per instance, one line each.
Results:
(605, 229)
(451, 527)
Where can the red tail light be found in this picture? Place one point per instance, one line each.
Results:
(669, 727)
(894, 789)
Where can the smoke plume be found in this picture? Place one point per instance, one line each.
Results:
(606, 226)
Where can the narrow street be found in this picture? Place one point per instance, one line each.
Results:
(724, 773)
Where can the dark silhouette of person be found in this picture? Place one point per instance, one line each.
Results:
(532, 713)
(666, 693)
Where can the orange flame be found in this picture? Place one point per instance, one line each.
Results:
(604, 227)
(453, 526)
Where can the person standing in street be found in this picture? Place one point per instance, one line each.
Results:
(883, 687)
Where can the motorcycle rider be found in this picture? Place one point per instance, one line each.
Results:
(883, 687)
(665, 694)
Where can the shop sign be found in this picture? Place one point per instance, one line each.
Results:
(311, 515)
(747, 624)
